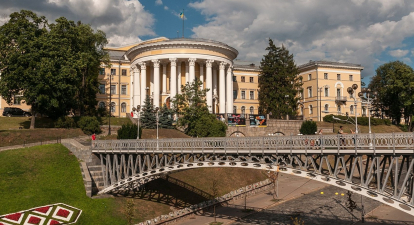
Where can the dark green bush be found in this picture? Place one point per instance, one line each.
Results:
(65, 122)
(364, 121)
(308, 127)
(89, 125)
(129, 131)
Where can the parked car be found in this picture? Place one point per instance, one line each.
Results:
(13, 111)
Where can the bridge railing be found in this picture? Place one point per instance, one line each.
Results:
(383, 143)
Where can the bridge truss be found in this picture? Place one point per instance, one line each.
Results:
(379, 166)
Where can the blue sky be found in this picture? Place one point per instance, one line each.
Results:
(366, 32)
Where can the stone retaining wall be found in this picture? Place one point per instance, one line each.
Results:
(283, 127)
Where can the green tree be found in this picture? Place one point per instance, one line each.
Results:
(166, 118)
(194, 115)
(45, 63)
(394, 82)
(308, 127)
(148, 119)
(278, 82)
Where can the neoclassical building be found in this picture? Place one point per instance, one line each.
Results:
(159, 67)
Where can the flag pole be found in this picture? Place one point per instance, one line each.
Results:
(183, 23)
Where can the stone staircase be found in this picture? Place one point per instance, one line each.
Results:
(97, 178)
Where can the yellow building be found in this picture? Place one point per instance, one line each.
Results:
(158, 67)
(325, 87)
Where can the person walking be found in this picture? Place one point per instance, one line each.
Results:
(319, 142)
(93, 139)
(341, 132)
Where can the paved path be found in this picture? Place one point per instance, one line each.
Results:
(302, 198)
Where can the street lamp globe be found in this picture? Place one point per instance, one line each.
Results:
(355, 86)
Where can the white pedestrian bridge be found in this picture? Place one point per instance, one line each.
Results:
(379, 166)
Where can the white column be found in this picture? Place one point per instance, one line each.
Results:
(209, 64)
(229, 89)
(135, 88)
(143, 66)
(164, 78)
(191, 62)
(202, 74)
(214, 80)
(173, 78)
(179, 77)
(222, 91)
(151, 92)
(156, 97)
(187, 78)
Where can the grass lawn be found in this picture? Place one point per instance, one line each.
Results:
(363, 129)
(19, 137)
(11, 123)
(50, 174)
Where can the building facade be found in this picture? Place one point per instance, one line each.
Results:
(325, 85)
(160, 66)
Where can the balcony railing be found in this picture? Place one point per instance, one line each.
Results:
(340, 99)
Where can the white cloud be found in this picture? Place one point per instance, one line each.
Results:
(354, 31)
(398, 53)
(166, 7)
(122, 20)
(158, 2)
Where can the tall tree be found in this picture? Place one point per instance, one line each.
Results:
(166, 117)
(278, 82)
(394, 82)
(45, 63)
(148, 119)
(194, 115)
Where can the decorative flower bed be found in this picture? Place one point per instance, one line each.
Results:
(44, 215)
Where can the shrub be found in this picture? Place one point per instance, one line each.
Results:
(89, 125)
(364, 121)
(129, 131)
(308, 127)
(65, 122)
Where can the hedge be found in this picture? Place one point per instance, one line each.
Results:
(361, 120)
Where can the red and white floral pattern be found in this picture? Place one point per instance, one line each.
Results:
(31, 220)
(62, 214)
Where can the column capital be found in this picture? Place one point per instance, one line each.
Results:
(173, 61)
(223, 65)
(209, 63)
(143, 65)
(156, 63)
(192, 61)
(135, 69)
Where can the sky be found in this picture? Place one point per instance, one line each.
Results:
(366, 32)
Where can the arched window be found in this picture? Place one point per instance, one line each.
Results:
(234, 109)
(351, 109)
(123, 107)
(243, 110)
(339, 109)
(326, 107)
(113, 107)
(102, 105)
(310, 109)
(251, 110)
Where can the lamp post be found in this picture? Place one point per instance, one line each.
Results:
(110, 102)
(351, 91)
(138, 109)
(367, 91)
(287, 103)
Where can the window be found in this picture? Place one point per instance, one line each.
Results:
(243, 79)
(17, 99)
(113, 71)
(243, 110)
(251, 110)
(338, 76)
(251, 79)
(301, 111)
(234, 109)
(234, 94)
(101, 105)
(113, 107)
(113, 89)
(123, 107)
(301, 94)
(310, 109)
(325, 76)
(102, 71)
(351, 109)
(326, 92)
(339, 109)
(338, 92)
(234, 79)
(102, 88)
(124, 72)
(310, 77)
(326, 107)
(251, 95)
(123, 90)
(243, 95)
(310, 92)
(351, 77)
